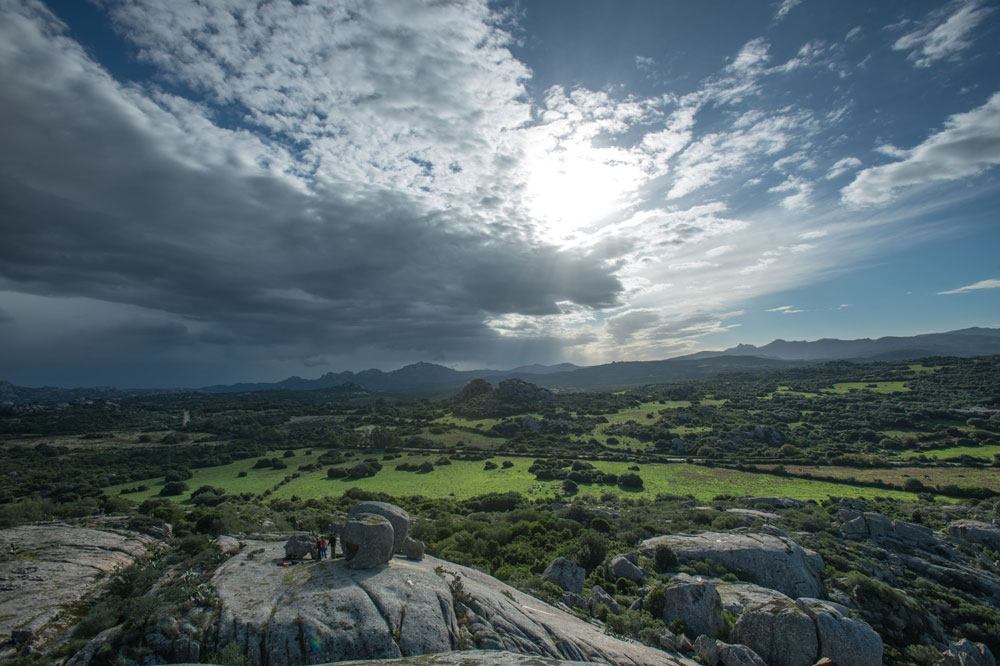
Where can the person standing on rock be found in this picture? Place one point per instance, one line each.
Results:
(322, 547)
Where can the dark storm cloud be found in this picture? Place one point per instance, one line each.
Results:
(97, 200)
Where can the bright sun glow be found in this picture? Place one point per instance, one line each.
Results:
(574, 185)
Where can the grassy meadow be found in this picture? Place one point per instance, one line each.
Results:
(463, 479)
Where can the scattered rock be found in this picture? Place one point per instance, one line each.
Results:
(368, 540)
(598, 596)
(716, 653)
(566, 574)
(695, 602)
(186, 651)
(770, 556)
(967, 653)
(85, 655)
(414, 549)
(299, 546)
(625, 566)
(227, 544)
(397, 517)
(574, 600)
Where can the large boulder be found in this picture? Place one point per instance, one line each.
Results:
(625, 566)
(695, 602)
(781, 633)
(299, 546)
(566, 574)
(871, 525)
(714, 652)
(771, 557)
(846, 641)
(967, 653)
(397, 517)
(976, 531)
(330, 613)
(739, 596)
(368, 541)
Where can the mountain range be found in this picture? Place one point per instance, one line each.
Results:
(432, 379)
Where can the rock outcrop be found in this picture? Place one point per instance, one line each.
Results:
(696, 603)
(317, 612)
(780, 633)
(768, 554)
(846, 641)
(566, 574)
(976, 531)
(870, 525)
(53, 566)
(801, 633)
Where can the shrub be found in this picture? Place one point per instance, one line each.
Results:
(591, 549)
(600, 524)
(664, 558)
(173, 488)
(630, 480)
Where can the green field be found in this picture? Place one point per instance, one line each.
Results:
(463, 479)
(931, 476)
(986, 452)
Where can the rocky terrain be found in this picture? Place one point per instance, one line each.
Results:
(379, 599)
(48, 569)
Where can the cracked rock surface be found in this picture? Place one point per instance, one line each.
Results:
(319, 612)
(48, 567)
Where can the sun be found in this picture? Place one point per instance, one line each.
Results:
(574, 186)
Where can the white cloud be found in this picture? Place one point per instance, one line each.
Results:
(968, 145)
(781, 308)
(786, 6)
(939, 37)
(842, 166)
(800, 190)
(983, 284)
(853, 33)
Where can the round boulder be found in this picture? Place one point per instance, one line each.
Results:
(624, 566)
(367, 541)
(300, 545)
(566, 574)
(397, 517)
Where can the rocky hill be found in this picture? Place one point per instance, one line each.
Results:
(378, 600)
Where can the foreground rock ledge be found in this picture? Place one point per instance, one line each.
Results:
(456, 658)
(53, 566)
(319, 612)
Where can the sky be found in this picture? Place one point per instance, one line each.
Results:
(200, 192)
